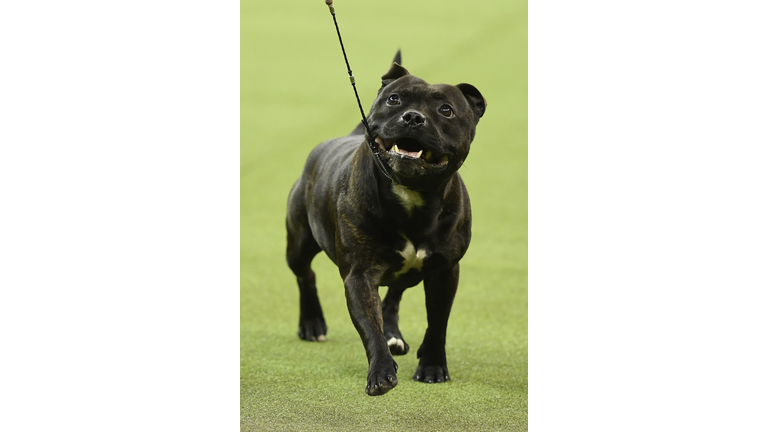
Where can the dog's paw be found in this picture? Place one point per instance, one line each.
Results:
(431, 374)
(381, 380)
(397, 346)
(313, 330)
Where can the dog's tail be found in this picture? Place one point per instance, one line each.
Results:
(360, 129)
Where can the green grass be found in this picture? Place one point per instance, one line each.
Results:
(295, 94)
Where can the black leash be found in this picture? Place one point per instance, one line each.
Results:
(349, 69)
(371, 143)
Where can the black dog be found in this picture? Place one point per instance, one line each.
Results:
(389, 211)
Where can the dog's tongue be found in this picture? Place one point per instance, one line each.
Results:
(408, 153)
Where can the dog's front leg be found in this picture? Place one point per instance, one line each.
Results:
(364, 304)
(439, 290)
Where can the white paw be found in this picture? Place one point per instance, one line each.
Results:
(396, 342)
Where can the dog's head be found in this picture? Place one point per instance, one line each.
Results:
(422, 132)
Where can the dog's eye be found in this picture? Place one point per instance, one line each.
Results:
(393, 99)
(446, 110)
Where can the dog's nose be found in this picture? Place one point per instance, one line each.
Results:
(413, 118)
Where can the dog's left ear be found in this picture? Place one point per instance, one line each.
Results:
(476, 100)
(395, 72)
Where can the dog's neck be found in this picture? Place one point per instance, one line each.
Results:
(408, 203)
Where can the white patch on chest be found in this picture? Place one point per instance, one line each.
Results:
(408, 198)
(412, 258)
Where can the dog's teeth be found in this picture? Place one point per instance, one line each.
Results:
(418, 155)
(394, 147)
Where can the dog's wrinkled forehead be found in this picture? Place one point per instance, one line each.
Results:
(415, 86)
(416, 93)
(405, 84)
(398, 79)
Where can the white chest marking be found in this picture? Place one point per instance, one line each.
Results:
(408, 198)
(412, 258)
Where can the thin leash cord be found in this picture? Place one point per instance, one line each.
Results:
(349, 69)
(370, 139)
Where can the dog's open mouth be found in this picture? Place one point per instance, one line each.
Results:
(411, 148)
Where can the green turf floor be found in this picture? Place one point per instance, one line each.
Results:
(295, 94)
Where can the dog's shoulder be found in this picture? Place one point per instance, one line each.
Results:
(358, 130)
(333, 153)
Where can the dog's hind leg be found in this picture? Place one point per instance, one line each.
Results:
(390, 308)
(301, 249)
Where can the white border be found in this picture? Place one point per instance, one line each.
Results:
(648, 185)
(119, 239)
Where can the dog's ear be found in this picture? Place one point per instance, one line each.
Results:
(398, 58)
(476, 100)
(395, 72)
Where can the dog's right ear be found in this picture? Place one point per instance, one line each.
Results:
(395, 72)
(476, 100)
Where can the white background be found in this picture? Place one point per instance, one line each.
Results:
(648, 244)
(119, 216)
(119, 231)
